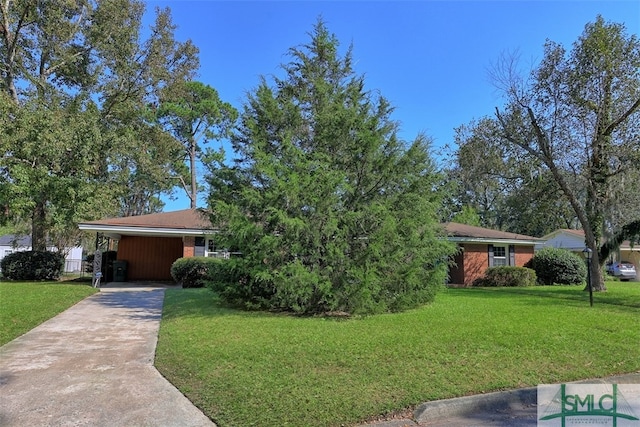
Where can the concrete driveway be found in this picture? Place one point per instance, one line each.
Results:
(92, 365)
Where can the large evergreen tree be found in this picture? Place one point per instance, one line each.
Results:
(330, 210)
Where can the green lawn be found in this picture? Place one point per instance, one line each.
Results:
(25, 305)
(264, 369)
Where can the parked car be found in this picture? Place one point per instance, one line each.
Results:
(623, 270)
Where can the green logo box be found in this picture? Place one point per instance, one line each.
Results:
(610, 405)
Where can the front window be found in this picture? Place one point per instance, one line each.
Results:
(499, 255)
(214, 251)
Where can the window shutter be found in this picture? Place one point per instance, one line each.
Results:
(490, 255)
(512, 255)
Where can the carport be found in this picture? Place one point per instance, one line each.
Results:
(149, 244)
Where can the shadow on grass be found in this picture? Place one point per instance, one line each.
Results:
(202, 302)
(557, 295)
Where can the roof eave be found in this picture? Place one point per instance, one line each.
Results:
(497, 241)
(146, 231)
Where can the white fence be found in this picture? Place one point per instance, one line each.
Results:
(72, 265)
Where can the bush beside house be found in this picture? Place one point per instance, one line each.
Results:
(194, 272)
(507, 276)
(558, 266)
(32, 265)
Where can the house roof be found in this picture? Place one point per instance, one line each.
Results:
(186, 222)
(15, 241)
(471, 234)
(626, 245)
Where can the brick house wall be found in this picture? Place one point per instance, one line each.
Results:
(473, 261)
(523, 255)
(188, 246)
(476, 261)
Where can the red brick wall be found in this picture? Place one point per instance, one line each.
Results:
(188, 246)
(472, 263)
(523, 255)
(476, 261)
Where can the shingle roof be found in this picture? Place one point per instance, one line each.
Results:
(463, 231)
(183, 219)
(17, 241)
(580, 233)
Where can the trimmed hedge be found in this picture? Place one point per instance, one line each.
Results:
(558, 266)
(32, 265)
(194, 272)
(507, 276)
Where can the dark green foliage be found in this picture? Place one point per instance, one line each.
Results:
(228, 279)
(507, 276)
(331, 211)
(194, 272)
(558, 266)
(32, 265)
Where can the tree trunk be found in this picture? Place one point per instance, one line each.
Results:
(597, 279)
(194, 186)
(38, 227)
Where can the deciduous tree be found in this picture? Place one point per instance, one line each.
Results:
(76, 81)
(578, 114)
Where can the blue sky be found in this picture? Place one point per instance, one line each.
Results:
(430, 59)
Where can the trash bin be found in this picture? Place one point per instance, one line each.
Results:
(119, 271)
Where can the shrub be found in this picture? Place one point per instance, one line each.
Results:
(228, 279)
(507, 276)
(558, 266)
(32, 265)
(194, 272)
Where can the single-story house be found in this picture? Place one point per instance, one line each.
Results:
(481, 248)
(10, 243)
(151, 243)
(574, 241)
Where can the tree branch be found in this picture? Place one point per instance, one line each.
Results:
(622, 118)
(630, 231)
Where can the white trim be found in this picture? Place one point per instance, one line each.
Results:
(493, 241)
(145, 231)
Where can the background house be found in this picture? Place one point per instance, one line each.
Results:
(149, 244)
(10, 243)
(573, 240)
(481, 248)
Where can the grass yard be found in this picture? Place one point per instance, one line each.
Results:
(262, 369)
(25, 305)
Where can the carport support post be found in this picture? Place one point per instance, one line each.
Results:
(588, 254)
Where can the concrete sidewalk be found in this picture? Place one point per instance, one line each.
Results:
(511, 408)
(92, 365)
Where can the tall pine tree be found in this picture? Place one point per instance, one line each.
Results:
(329, 208)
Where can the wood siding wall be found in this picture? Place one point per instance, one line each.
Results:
(149, 258)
